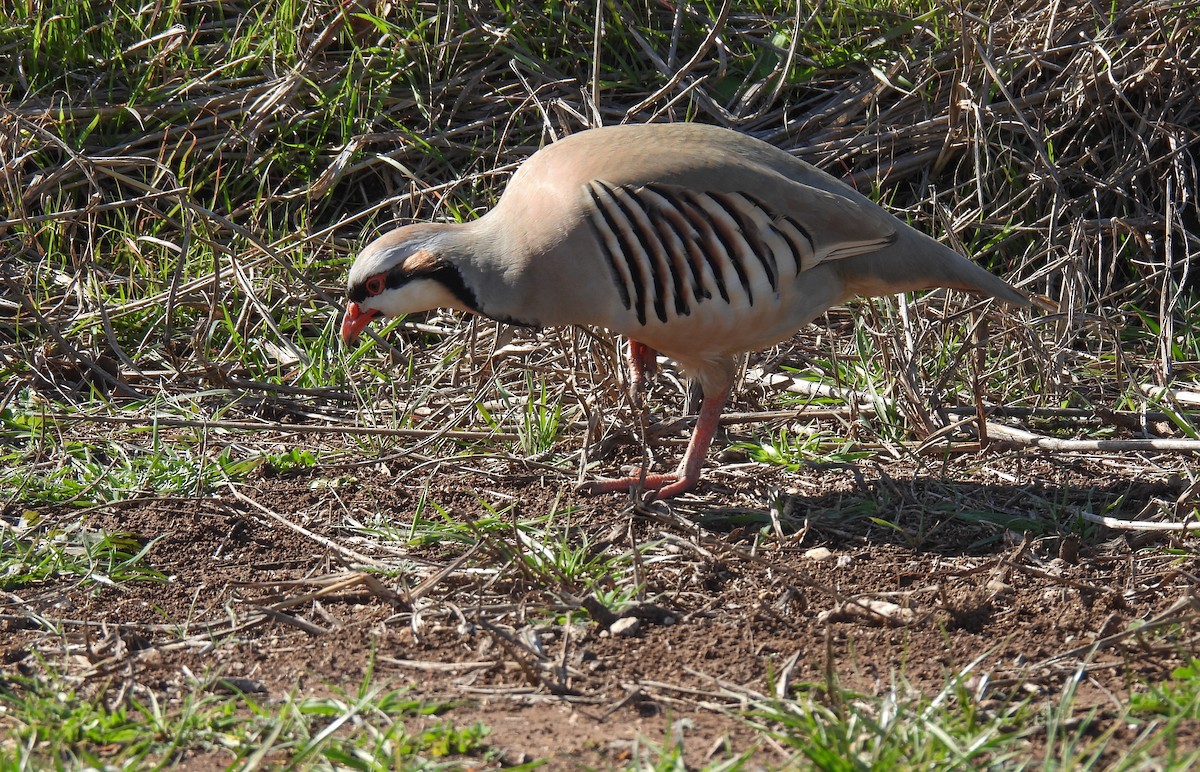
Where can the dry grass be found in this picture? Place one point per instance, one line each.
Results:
(183, 176)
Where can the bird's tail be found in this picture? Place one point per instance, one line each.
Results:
(964, 274)
(919, 263)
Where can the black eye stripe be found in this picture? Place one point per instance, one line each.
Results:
(443, 273)
(398, 276)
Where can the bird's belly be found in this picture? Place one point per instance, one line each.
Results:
(715, 329)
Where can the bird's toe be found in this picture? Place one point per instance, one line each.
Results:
(636, 481)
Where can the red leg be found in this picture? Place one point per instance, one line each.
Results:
(688, 474)
(642, 362)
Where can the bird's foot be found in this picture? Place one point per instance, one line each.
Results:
(658, 486)
(649, 482)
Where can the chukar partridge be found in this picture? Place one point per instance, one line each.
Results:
(690, 240)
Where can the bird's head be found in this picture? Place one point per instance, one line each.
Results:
(403, 272)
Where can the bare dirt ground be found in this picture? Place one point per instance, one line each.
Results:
(732, 612)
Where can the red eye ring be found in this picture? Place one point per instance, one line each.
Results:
(375, 285)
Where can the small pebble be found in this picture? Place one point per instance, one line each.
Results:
(626, 626)
(999, 588)
(819, 554)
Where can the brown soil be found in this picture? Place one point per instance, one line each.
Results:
(730, 614)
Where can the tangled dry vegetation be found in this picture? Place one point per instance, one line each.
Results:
(1057, 143)
(183, 188)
